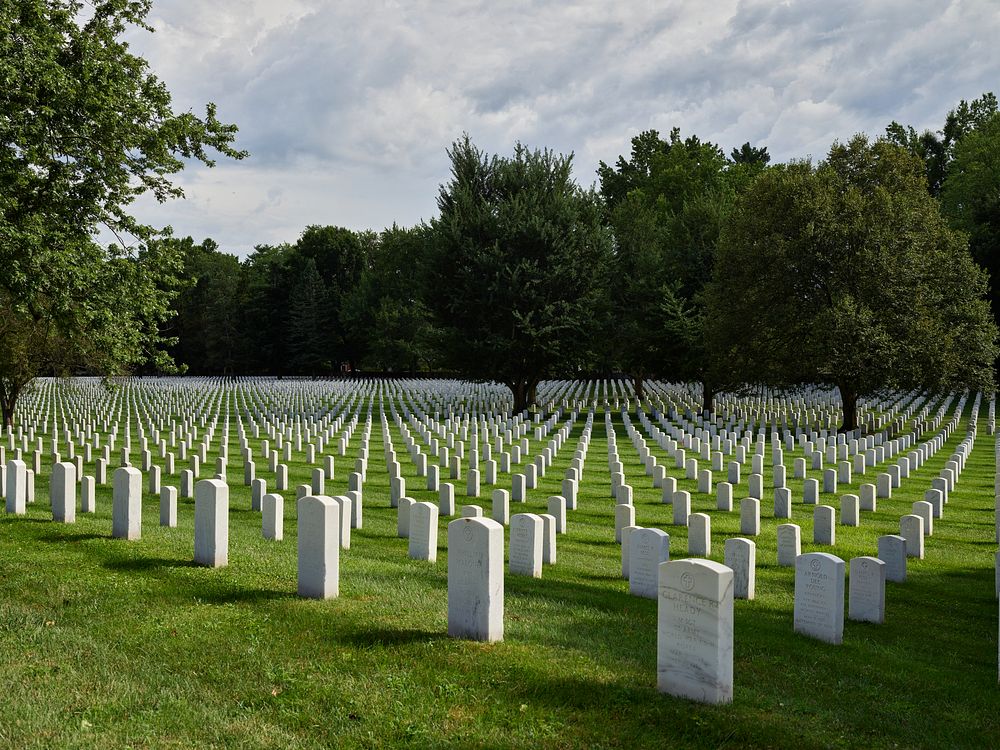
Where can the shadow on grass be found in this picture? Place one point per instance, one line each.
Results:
(597, 542)
(599, 577)
(71, 537)
(247, 596)
(387, 637)
(148, 563)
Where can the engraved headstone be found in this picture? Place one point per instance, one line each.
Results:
(740, 556)
(694, 643)
(648, 548)
(866, 596)
(789, 544)
(819, 596)
(318, 547)
(211, 523)
(475, 579)
(526, 545)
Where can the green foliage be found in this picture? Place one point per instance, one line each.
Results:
(339, 257)
(208, 322)
(667, 204)
(85, 129)
(970, 198)
(306, 329)
(937, 149)
(847, 274)
(747, 154)
(386, 311)
(267, 288)
(517, 268)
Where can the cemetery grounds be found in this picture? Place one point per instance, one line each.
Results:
(107, 643)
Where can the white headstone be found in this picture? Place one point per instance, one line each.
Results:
(272, 508)
(168, 506)
(126, 503)
(624, 516)
(647, 549)
(62, 492)
(819, 596)
(475, 579)
(724, 496)
(526, 545)
(824, 525)
(501, 507)
(211, 523)
(557, 509)
(17, 485)
(866, 596)
(750, 516)
(699, 535)
(911, 528)
(694, 643)
(850, 510)
(318, 547)
(789, 544)
(446, 499)
(741, 556)
(423, 531)
(892, 551)
(682, 507)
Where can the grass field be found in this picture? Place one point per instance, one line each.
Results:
(110, 644)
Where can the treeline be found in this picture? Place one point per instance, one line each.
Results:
(335, 299)
(685, 262)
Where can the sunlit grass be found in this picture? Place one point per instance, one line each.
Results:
(106, 643)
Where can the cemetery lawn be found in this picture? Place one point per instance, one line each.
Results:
(109, 644)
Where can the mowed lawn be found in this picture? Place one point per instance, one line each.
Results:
(109, 644)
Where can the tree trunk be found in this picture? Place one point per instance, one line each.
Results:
(639, 386)
(707, 397)
(850, 399)
(524, 391)
(519, 389)
(8, 403)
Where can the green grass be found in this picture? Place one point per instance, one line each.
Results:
(109, 644)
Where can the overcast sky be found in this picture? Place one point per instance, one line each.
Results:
(347, 107)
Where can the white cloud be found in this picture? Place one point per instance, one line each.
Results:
(348, 108)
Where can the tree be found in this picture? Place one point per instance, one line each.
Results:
(970, 198)
(666, 204)
(269, 281)
(209, 309)
(306, 322)
(517, 268)
(339, 258)
(846, 274)
(747, 154)
(385, 310)
(937, 149)
(85, 129)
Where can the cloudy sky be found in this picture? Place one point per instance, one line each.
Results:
(347, 107)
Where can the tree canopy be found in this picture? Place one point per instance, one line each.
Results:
(666, 205)
(846, 273)
(85, 130)
(517, 268)
(970, 198)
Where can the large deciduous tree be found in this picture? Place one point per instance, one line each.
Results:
(666, 203)
(970, 198)
(846, 274)
(517, 268)
(85, 128)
